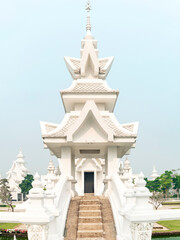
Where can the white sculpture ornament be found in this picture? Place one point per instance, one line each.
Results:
(37, 232)
(141, 231)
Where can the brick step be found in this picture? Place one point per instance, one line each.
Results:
(89, 213)
(90, 226)
(90, 219)
(90, 199)
(90, 207)
(89, 196)
(89, 202)
(90, 233)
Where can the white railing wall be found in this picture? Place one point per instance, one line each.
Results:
(63, 197)
(115, 194)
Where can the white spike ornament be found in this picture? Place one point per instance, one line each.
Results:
(88, 9)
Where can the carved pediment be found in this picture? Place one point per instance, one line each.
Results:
(90, 126)
(90, 131)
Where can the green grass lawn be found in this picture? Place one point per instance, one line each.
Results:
(171, 203)
(4, 205)
(9, 225)
(173, 225)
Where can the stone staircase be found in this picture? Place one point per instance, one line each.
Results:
(90, 225)
(90, 218)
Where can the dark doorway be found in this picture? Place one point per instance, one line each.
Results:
(88, 182)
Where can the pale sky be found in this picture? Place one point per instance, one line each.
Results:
(144, 37)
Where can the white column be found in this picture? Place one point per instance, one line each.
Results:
(66, 161)
(112, 161)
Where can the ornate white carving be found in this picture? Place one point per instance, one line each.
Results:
(141, 231)
(37, 232)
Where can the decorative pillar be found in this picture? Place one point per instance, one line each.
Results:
(129, 195)
(36, 196)
(73, 181)
(49, 198)
(141, 231)
(37, 216)
(127, 172)
(112, 161)
(37, 232)
(66, 161)
(142, 194)
(142, 216)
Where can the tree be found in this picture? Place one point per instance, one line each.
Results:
(5, 194)
(156, 199)
(153, 185)
(166, 182)
(26, 184)
(176, 181)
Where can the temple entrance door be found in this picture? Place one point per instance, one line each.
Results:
(89, 182)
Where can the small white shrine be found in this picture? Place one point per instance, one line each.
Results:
(90, 140)
(154, 174)
(89, 144)
(15, 176)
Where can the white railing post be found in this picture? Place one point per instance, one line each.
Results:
(38, 232)
(141, 217)
(141, 230)
(49, 198)
(37, 216)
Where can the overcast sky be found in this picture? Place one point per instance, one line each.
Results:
(144, 37)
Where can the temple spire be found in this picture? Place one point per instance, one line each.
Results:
(88, 9)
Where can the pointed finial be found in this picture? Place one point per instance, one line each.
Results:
(36, 183)
(154, 169)
(88, 6)
(20, 155)
(140, 181)
(88, 9)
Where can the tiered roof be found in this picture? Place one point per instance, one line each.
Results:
(119, 130)
(89, 97)
(89, 86)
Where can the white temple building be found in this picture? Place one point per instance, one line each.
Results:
(15, 176)
(90, 140)
(89, 144)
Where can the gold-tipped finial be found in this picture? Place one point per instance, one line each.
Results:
(88, 9)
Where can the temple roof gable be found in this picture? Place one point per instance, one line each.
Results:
(89, 107)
